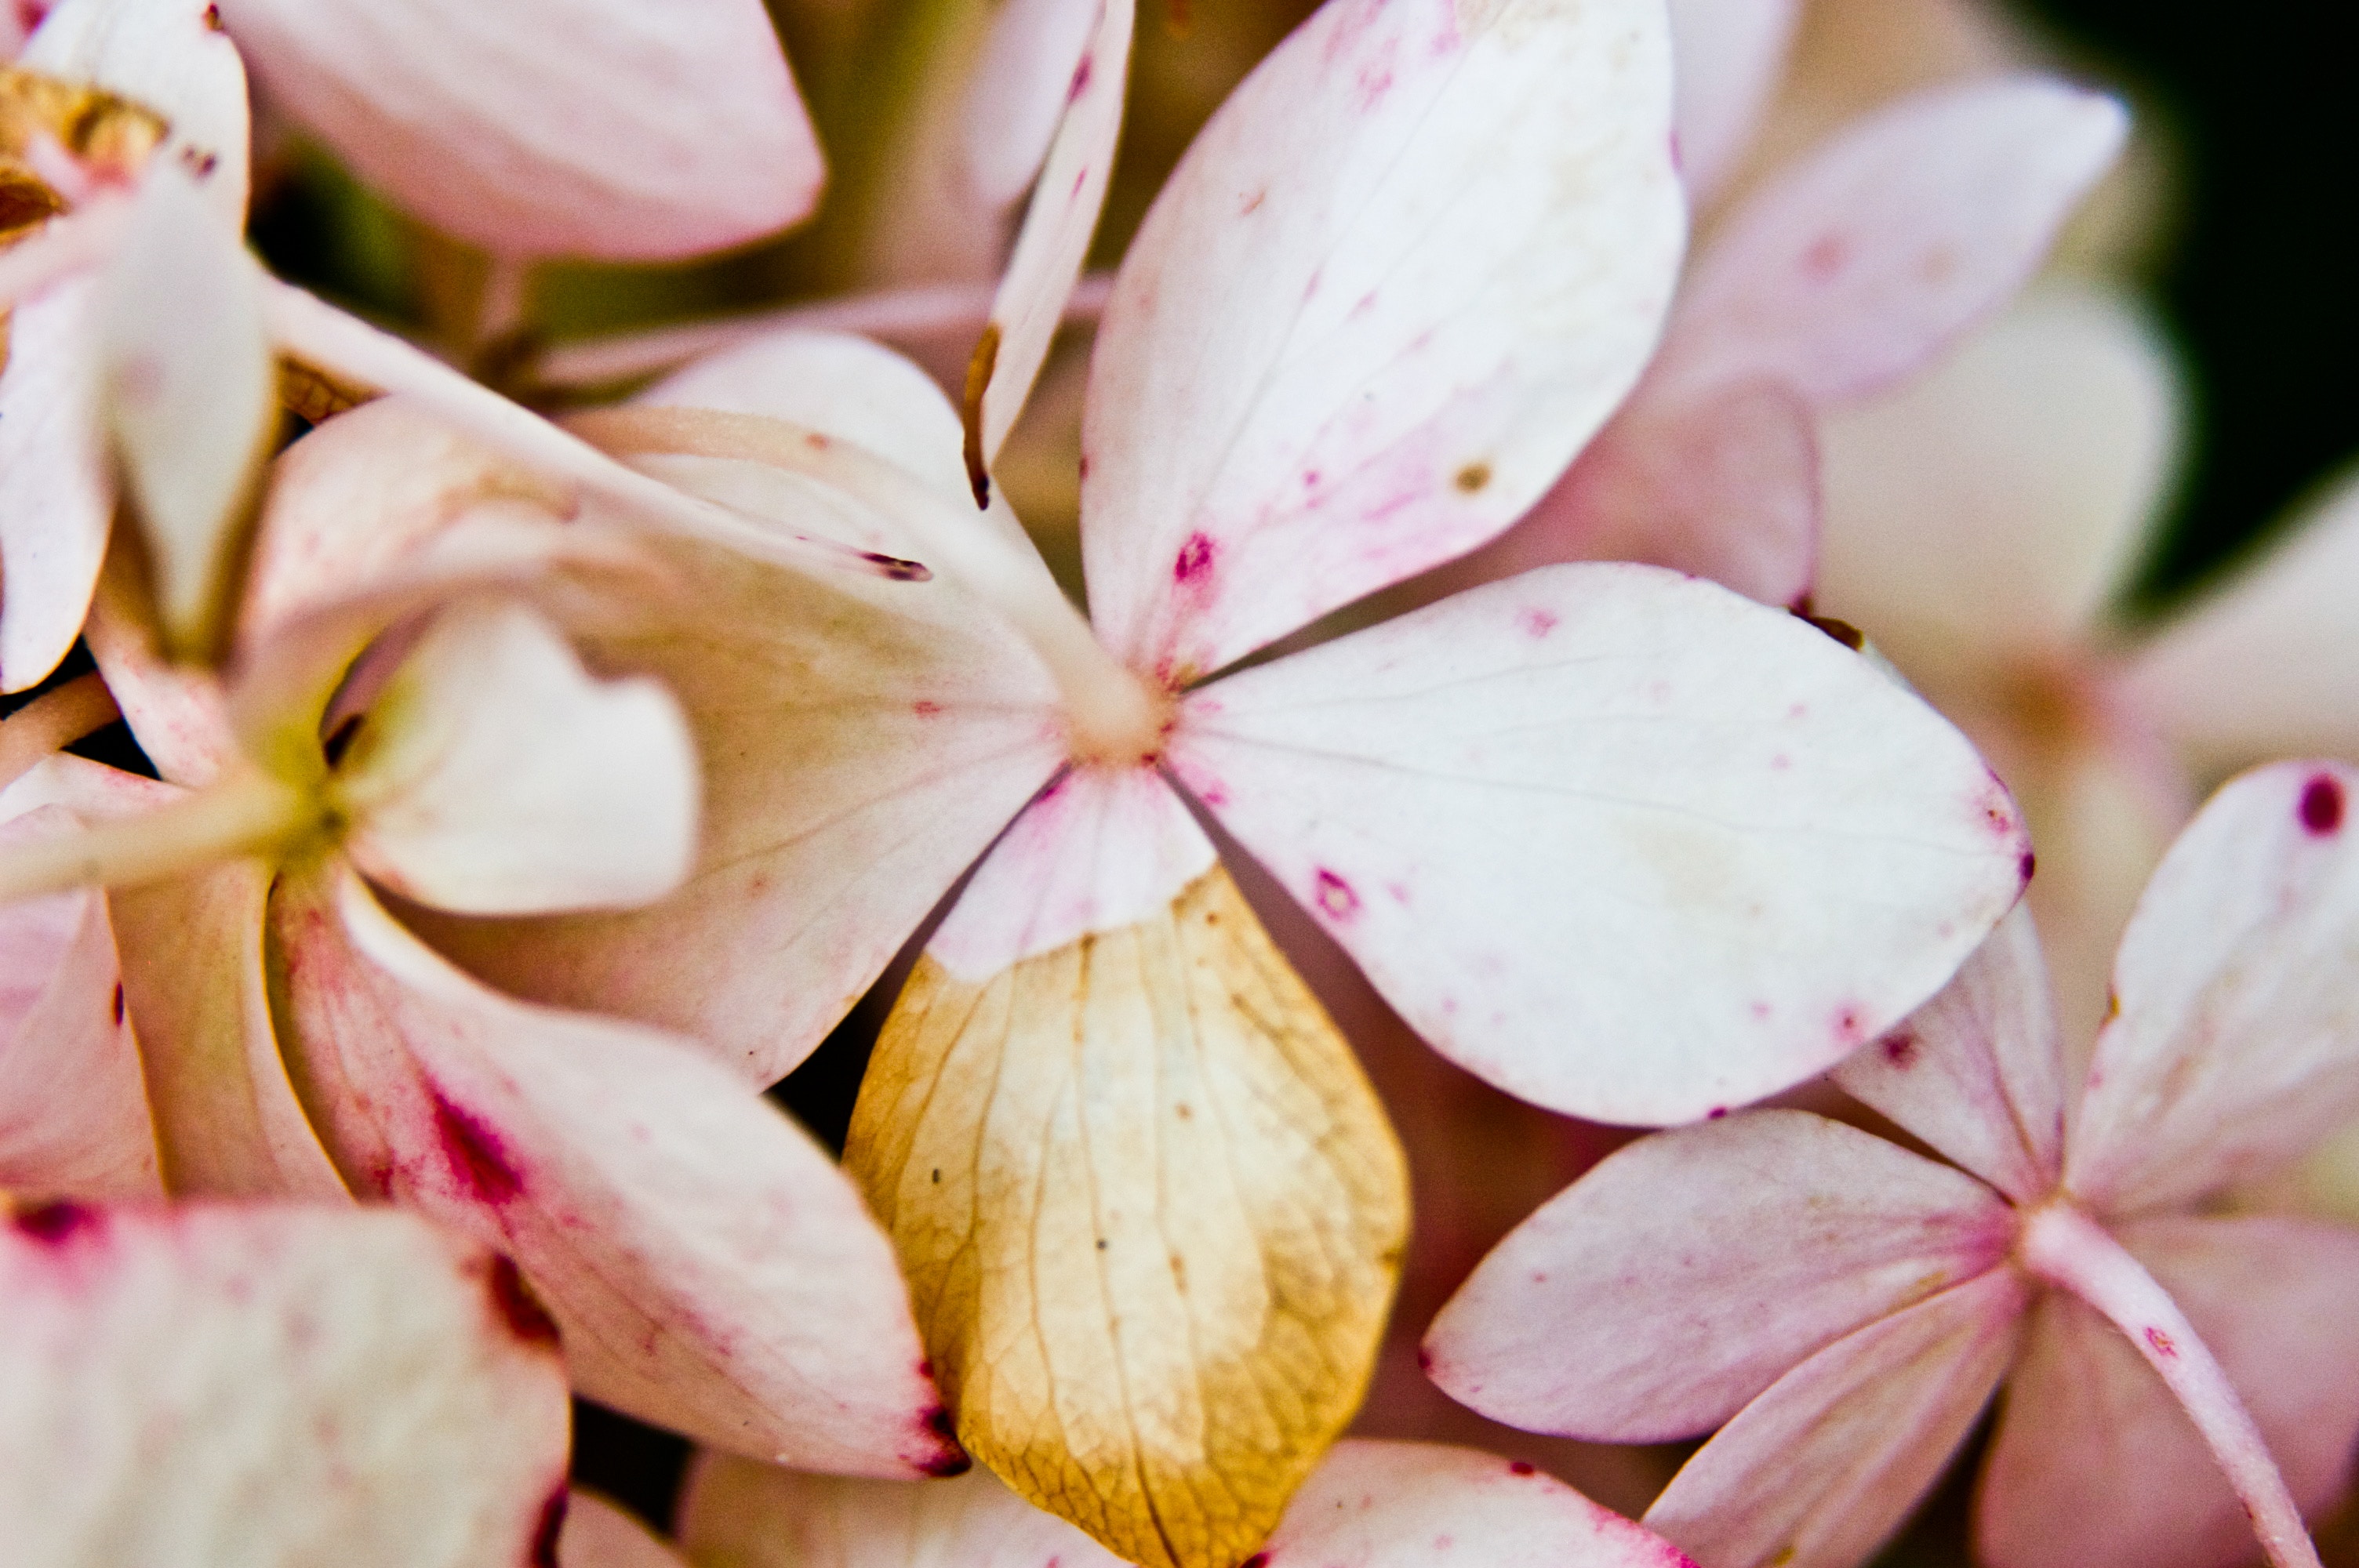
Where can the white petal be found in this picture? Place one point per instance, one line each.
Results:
(555, 127)
(496, 775)
(1733, 851)
(273, 1388)
(190, 394)
(711, 1268)
(168, 56)
(1656, 1295)
(1978, 1071)
(1403, 275)
(2235, 1042)
(1058, 225)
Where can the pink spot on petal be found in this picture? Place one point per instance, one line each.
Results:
(2161, 1342)
(1849, 1028)
(1828, 255)
(1194, 562)
(56, 1223)
(1900, 1048)
(1522, 1468)
(1335, 896)
(2321, 805)
(1539, 622)
(925, 709)
(1081, 78)
(1715, 1113)
(474, 1154)
(2027, 865)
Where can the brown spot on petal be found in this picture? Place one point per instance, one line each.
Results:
(1472, 479)
(978, 369)
(1843, 632)
(212, 19)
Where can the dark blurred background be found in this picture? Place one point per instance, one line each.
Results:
(2255, 273)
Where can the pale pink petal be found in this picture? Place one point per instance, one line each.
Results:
(169, 57)
(189, 395)
(1820, 1470)
(1058, 226)
(1656, 1295)
(2068, 413)
(1022, 85)
(597, 1534)
(555, 127)
(713, 1270)
(179, 714)
(73, 1109)
(56, 499)
(273, 1388)
(863, 742)
(227, 1119)
(2095, 1466)
(1421, 1505)
(2235, 1045)
(1106, 847)
(494, 776)
(1724, 486)
(1403, 275)
(2266, 664)
(757, 1516)
(1859, 263)
(1725, 57)
(353, 502)
(1977, 1072)
(1735, 851)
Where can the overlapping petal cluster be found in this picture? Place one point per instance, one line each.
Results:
(534, 791)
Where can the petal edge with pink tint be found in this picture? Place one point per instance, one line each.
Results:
(56, 499)
(1822, 1468)
(1655, 1296)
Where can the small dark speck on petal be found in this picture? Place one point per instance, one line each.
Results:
(118, 1002)
(1522, 1468)
(2029, 864)
(1258, 1560)
(517, 1305)
(2321, 805)
(2162, 1343)
(1473, 478)
(1900, 1049)
(54, 1224)
(1715, 1113)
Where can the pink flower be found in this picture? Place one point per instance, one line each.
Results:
(711, 1267)
(1415, 261)
(1846, 1307)
(272, 1385)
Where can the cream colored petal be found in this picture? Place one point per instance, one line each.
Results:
(189, 395)
(2000, 498)
(1152, 1218)
(749, 1515)
(494, 776)
(2265, 663)
(862, 742)
(270, 1387)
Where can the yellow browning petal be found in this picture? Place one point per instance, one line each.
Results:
(1152, 1217)
(95, 125)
